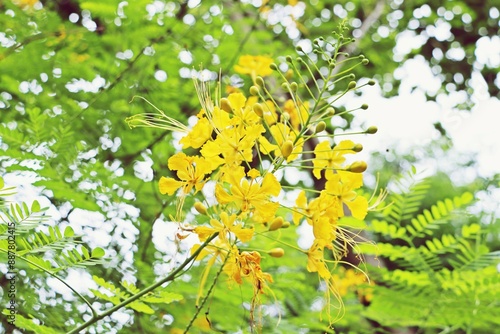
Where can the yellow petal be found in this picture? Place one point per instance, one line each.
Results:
(210, 149)
(237, 101)
(204, 232)
(168, 185)
(222, 196)
(244, 234)
(270, 185)
(178, 161)
(358, 207)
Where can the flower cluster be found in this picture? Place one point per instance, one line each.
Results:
(241, 142)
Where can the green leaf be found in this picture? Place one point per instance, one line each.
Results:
(98, 252)
(69, 232)
(35, 207)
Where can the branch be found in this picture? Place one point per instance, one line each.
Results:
(365, 26)
(147, 290)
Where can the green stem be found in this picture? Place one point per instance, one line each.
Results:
(145, 291)
(199, 307)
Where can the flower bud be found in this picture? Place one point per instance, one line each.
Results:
(200, 208)
(371, 82)
(288, 59)
(286, 224)
(259, 81)
(364, 106)
(321, 126)
(358, 167)
(225, 105)
(287, 148)
(285, 117)
(257, 108)
(254, 90)
(285, 85)
(371, 130)
(357, 148)
(276, 252)
(273, 67)
(365, 61)
(299, 49)
(294, 86)
(351, 85)
(330, 111)
(276, 224)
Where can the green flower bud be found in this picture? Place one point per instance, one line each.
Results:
(257, 108)
(225, 105)
(276, 223)
(259, 81)
(357, 148)
(289, 59)
(273, 67)
(200, 208)
(294, 86)
(287, 148)
(276, 252)
(254, 90)
(365, 61)
(321, 126)
(285, 117)
(358, 167)
(371, 82)
(364, 106)
(330, 111)
(371, 130)
(351, 85)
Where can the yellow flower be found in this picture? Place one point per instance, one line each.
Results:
(281, 133)
(242, 109)
(190, 170)
(199, 134)
(329, 159)
(235, 144)
(316, 260)
(250, 196)
(247, 266)
(225, 225)
(301, 209)
(342, 186)
(254, 65)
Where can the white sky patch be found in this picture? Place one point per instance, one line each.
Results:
(77, 85)
(478, 132)
(416, 72)
(403, 121)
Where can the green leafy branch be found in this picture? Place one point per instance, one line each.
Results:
(143, 292)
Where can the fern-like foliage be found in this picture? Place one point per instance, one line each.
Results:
(27, 243)
(433, 278)
(116, 295)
